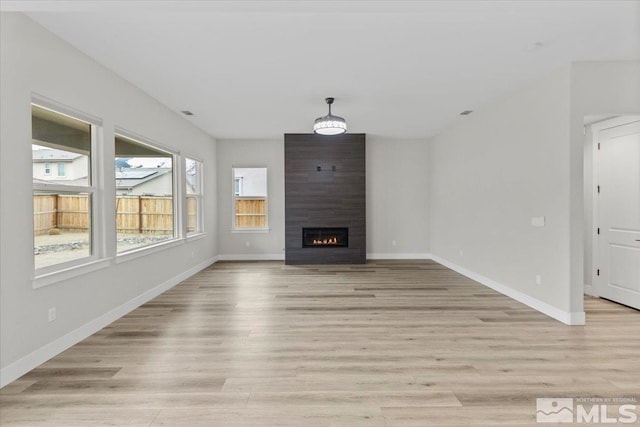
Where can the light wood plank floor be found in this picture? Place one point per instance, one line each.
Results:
(392, 343)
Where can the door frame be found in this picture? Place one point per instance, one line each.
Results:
(595, 129)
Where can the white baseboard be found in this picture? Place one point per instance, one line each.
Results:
(398, 256)
(590, 290)
(280, 257)
(251, 257)
(575, 318)
(34, 359)
(569, 318)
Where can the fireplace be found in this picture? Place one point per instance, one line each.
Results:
(322, 237)
(325, 186)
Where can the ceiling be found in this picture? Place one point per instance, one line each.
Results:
(398, 69)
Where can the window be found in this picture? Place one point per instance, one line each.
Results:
(250, 198)
(145, 202)
(62, 209)
(193, 182)
(61, 169)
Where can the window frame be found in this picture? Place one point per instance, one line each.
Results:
(199, 197)
(47, 168)
(62, 166)
(96, 259)
(234, 197)
(177, 195)
(239, 189)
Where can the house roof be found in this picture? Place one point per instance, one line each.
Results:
(82, 181)
(51, 154)
(127, 178)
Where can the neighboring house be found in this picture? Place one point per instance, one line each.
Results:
(250, 182)
(144, 181)
(58, 166)
(192, 188)
(52, 165)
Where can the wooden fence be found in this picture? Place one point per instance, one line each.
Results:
(144, 214)
(45, 213)
(134, 214)
(192, 214)
(251, 212)
(73, 212)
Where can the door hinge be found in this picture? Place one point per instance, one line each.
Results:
(598, 145)
(598, 272)
(598, 189)
(598, 230)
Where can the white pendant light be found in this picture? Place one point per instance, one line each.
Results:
(329, 124)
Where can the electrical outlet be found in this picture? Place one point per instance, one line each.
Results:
(52, 314)
(393, 243)
(248, 244)
(538, 279)
(461, 252)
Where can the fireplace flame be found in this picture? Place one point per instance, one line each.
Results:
(331, 241)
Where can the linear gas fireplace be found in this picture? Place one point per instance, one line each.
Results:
(322, 237)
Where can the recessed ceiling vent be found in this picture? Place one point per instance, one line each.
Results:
(187, 113)
(466, 112)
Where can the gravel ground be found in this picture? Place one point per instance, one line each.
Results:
(68, 246)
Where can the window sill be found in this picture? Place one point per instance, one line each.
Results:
(251, 230)
(70, 272)
(147, 250)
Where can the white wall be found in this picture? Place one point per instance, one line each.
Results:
(262, 244)
(34, 60)
(397, 198)
(490, 174)
(397, 206)
(520, 157)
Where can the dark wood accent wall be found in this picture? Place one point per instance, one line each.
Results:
(325, 187)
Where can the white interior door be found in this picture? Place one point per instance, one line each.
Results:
(619, 214)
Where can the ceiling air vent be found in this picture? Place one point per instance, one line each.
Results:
(466, 112)
(187, 113)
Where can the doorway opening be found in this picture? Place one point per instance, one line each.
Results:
(612, 209)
